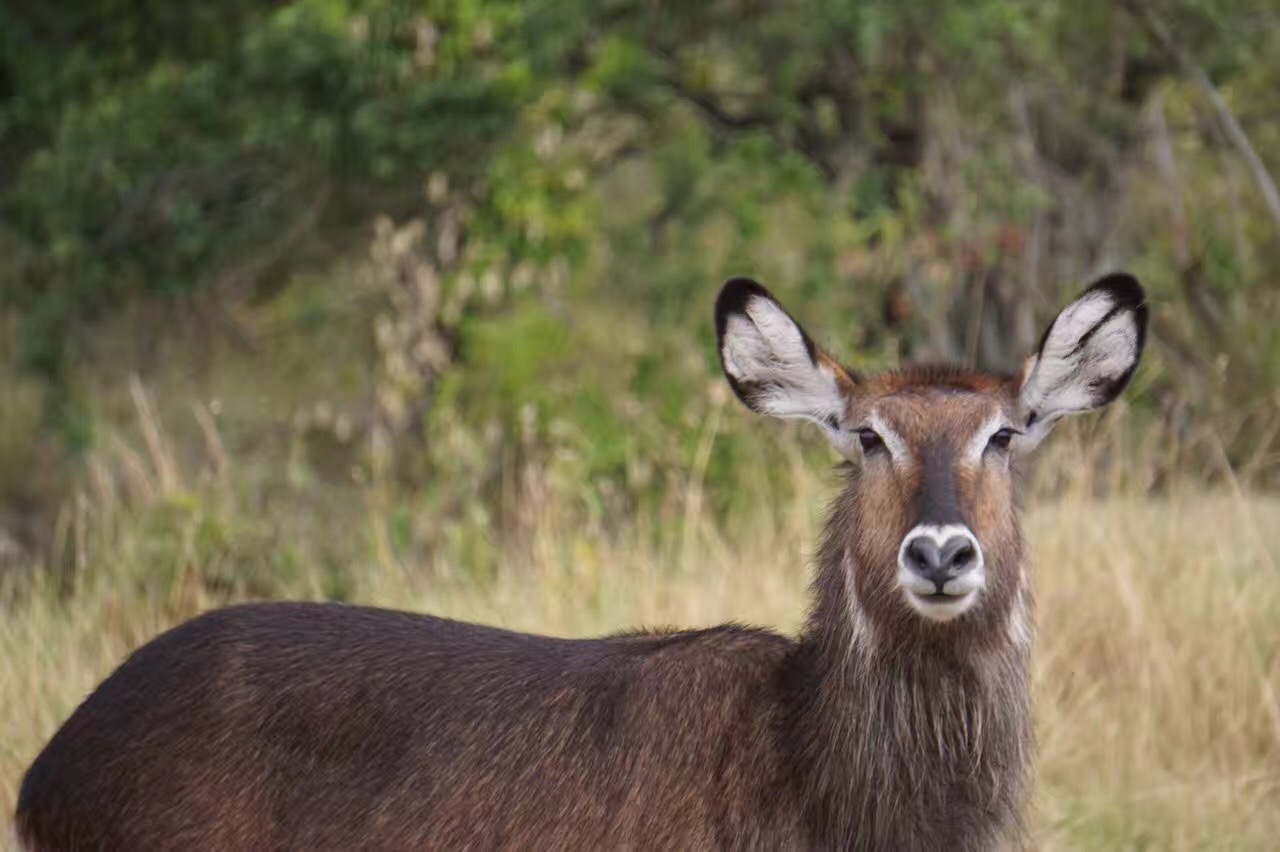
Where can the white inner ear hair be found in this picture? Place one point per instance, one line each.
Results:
(1066, 375)
(767, 351)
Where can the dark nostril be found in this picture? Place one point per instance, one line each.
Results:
(923, 555)
(957, 554)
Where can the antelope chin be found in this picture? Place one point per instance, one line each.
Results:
(941, 607)
(956, 597)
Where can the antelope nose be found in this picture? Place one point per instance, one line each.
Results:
(956, 556)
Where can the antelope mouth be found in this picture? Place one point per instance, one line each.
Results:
(939, 606)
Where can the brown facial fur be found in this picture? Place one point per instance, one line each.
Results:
(936, 412)
(916, 734)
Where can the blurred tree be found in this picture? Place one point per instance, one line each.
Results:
(932, 180)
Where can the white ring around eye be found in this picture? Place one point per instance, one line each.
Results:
(892, 440)
(977, 444)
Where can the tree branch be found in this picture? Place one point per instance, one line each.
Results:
(713, 110)
(1235, 133)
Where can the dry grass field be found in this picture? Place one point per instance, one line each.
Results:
(412, 303)
(1157, 677)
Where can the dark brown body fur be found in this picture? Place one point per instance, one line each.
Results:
(300, 726)
(305, 726)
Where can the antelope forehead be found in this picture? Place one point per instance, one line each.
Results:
(935, 434)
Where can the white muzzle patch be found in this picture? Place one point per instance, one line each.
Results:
(950, 593)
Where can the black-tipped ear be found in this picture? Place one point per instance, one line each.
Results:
(1123, 288)
(1125, 293)
(1087, 355)
(772, 364)
(1129, 298)
(733, 299)
(736, 296)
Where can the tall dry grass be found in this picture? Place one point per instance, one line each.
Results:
(1157, 675)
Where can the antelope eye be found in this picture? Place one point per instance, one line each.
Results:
(870, 441)
(1000, 440)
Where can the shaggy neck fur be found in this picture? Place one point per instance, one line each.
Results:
(907, 741)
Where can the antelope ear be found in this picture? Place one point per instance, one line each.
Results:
(774, 367)
(1086, 357)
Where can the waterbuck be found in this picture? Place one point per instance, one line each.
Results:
(897, 720)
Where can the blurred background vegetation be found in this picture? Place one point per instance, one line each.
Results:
(298, 294)
(434, 245)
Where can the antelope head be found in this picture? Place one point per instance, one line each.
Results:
(933, 539)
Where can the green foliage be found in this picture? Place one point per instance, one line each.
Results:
(916, 181)
(166, 179)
